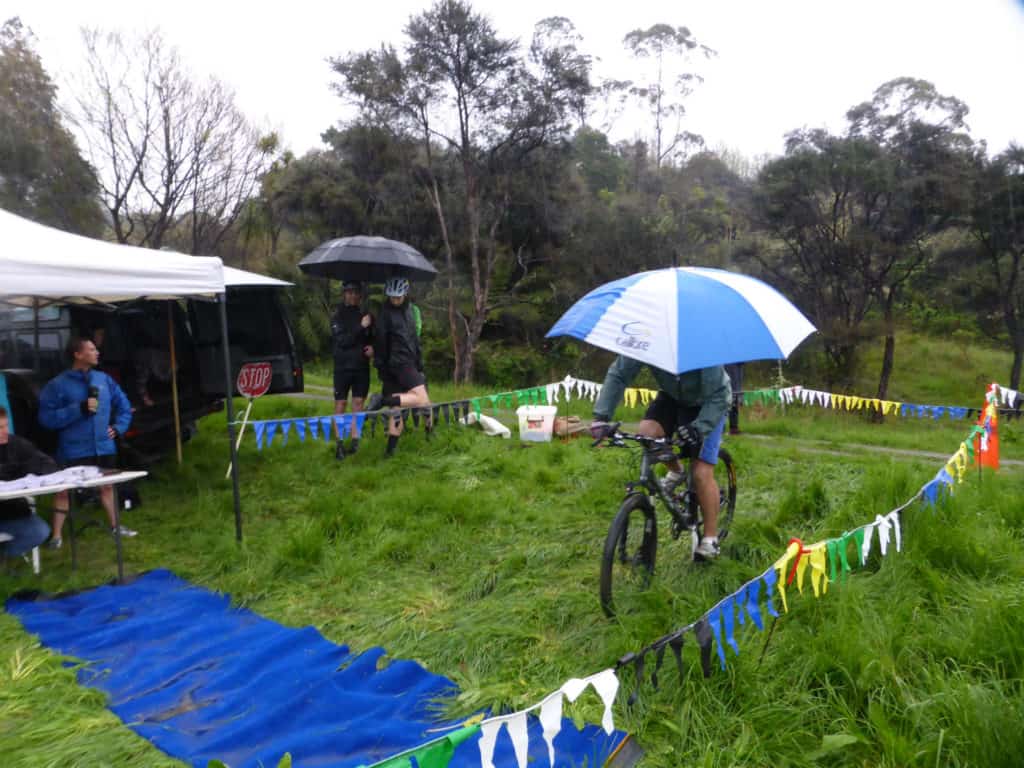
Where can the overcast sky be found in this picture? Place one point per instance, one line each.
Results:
(781, 65)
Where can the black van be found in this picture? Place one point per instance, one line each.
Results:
(133, 338)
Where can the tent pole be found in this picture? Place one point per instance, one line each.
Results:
(229, 398)
(174, 378)
(35, 334)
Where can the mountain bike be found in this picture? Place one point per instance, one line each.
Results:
(632, 543)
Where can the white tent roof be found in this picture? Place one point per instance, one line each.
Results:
(236, 277)
(41, 262)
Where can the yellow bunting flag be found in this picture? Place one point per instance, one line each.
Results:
(782, 565)
(817, 557)
(631, 395)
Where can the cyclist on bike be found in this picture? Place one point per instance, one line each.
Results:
(692, 405)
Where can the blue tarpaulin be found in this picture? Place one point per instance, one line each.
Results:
(203, 680)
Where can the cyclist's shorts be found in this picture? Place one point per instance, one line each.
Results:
(355, 381)
(405, 379)
(670, 415)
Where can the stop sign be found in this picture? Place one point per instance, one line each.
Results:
(254, 379)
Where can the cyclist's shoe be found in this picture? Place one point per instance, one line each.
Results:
(707, 549)
(126, 532)
(54, 543)
(339, 450)
(671, 481)
(353, 445)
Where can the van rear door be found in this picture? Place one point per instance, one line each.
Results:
(258, 331)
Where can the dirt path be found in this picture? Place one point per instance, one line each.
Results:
(859, 449)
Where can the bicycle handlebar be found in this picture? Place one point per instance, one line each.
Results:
(617, 438)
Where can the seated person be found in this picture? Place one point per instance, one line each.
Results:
(18, 457)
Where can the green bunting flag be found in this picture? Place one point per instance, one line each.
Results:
(434, 754)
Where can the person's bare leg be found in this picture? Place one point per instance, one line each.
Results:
(339, 408)
(357, 407)
(707, 494)
(107, 499)
(395, 425)
(60, 513)
(651, 428)
(416, 397)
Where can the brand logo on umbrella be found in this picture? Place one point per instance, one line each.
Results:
(634, 336)
(635, 328)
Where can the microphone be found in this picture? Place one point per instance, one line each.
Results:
(94, 393)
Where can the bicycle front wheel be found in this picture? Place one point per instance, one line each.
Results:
(629, 551)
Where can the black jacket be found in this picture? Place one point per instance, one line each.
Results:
(396, 344)
(349, 337)
(18, 457)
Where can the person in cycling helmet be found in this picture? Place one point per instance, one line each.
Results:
(694, 406)
(398, 357)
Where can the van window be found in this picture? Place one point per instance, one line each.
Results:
(24, 314)
(256, 325)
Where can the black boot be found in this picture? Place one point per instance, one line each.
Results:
(392, 444)
(353, 445)
(339, 450)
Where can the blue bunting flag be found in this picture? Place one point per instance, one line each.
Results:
(770, 579)
(753, 608)
(728, 612)
(716, 625)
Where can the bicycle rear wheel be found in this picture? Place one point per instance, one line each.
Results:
(725, 476)
(629, 552)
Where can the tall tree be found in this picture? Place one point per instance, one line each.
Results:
(177, 159)
(810, 204)
(930, 157)
(480, 108)
(857, 214)
(996, 225)
(667, 87)
(42, 173)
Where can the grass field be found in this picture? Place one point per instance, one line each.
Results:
(479, 557)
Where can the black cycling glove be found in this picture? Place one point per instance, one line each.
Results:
(690, 437)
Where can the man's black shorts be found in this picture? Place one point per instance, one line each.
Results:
(669, 413)
(356, 381)
(405, 379)
(103, 462)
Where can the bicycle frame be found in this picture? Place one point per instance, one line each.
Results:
(659, 451)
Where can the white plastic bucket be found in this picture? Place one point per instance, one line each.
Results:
(536, 422)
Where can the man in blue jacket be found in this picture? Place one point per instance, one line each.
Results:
(88, 410)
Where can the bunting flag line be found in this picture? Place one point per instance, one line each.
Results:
(1009, 399)
(436, 753)
(825, 562)
(545, 394)
(605, 683)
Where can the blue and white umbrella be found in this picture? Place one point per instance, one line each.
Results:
(686, 318)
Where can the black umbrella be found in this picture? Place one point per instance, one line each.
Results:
(367, 259)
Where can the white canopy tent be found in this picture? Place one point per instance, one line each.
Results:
(40, 265)
(241, 278)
